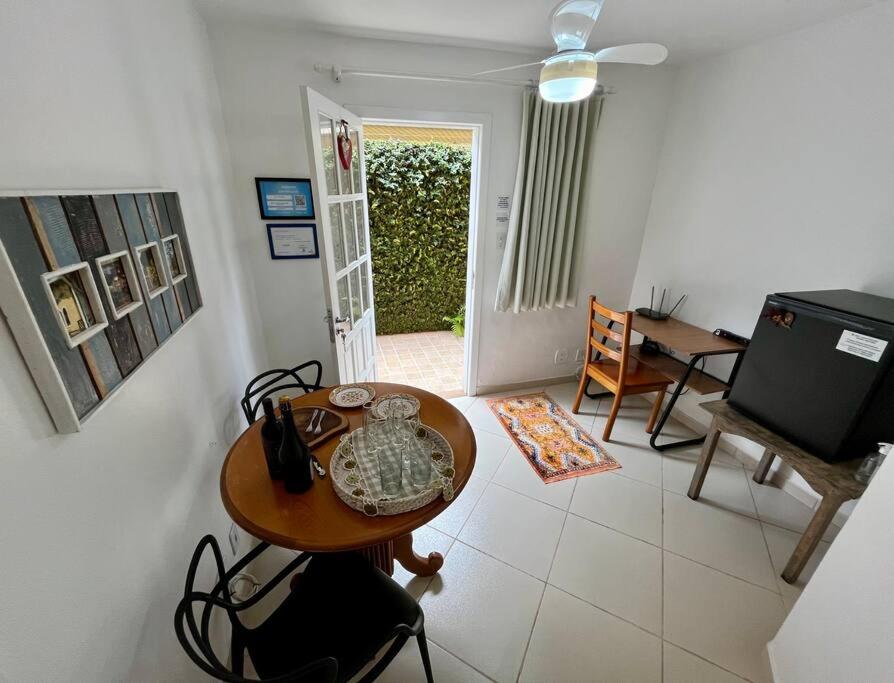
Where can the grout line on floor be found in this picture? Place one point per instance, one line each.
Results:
(732, 576)
(576, 597)
(456, 656)
(472, 512)
(776, 576)
(501, 561)
(661, 571)
(543, 593)
(606, 526)
(602, 609)
(704, 659)
(536, 500)
(635, 538)
(521, 666)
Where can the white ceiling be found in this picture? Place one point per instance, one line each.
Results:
(689, 28)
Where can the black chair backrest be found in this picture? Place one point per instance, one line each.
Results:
(195, 637)
(276, 381)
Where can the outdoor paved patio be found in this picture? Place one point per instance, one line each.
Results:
(429, 360)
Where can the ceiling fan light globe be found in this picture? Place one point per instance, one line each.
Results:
(568, 77)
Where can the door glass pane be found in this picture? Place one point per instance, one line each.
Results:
(344, 175)
(356, 308)
(362, 289)
(328, 153)
(338, 242)
(355, 160)
(364, 284)
(343, 301)
(361, 231)
(350, 236)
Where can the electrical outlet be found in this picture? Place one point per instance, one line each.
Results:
(234, 539)
(561, 356)
(578, 355)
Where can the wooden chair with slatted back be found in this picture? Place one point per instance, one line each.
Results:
(613, 368)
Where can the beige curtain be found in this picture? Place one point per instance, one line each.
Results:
(538, 268)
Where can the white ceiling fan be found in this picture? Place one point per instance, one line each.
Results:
(570, 74)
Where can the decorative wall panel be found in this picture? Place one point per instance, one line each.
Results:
(91, 286)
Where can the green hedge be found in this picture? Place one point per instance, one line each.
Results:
(419, 228)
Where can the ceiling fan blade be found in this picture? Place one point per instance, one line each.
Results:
(507, 68)
(635, 53)
(572, 22)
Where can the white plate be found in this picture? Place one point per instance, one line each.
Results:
(352, 395)
(400, 406)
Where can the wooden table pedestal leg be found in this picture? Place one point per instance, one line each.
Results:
(821, 519)
(381, 556)
(409, 560)
(704, 461)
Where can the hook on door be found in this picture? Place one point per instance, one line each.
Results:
(342, 326)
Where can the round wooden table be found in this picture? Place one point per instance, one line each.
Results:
(318, 521)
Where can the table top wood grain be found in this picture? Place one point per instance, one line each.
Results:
(684, 337)
(318, 520)
(823, 477)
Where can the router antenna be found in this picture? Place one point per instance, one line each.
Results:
(675, 306)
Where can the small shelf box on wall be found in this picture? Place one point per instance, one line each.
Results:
(91, 286)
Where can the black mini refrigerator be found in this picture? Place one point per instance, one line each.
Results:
(819, 371)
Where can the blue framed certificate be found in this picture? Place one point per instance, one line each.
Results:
(285, 198)
(293, 240)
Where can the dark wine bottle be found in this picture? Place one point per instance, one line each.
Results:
(271, 437)
(294, 455)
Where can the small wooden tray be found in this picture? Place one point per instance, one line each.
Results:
(333, 423)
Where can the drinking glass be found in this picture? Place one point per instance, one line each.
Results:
(365, 440)
(419, 461)
(391, 468)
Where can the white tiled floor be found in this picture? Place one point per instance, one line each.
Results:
(610, 577)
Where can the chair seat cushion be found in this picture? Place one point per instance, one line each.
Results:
(341, 607)
(638, 374)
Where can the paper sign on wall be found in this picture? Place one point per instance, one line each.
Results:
(503, 205)
(860, 345)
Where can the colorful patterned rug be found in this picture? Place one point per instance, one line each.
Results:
(554, 444)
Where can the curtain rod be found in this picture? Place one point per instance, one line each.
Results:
(337, 72)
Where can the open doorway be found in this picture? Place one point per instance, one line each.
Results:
(420, 181)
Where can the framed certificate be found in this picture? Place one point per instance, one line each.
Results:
(285, 198)
(293, 240)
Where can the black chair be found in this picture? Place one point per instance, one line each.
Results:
(340, 612)
(274, 381)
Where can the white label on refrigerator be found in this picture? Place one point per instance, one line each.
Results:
(860, 345)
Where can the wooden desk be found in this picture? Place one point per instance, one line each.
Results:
(684, 337)
(834, 482)
(694, 342)
(318, 521)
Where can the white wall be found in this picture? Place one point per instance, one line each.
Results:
(776, 175)
(841, 627)
(260, 68)
(98, 526)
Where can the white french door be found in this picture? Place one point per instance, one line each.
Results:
(343, 219)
